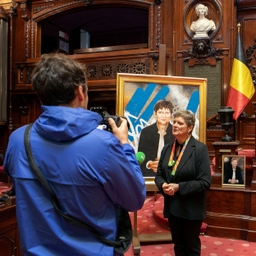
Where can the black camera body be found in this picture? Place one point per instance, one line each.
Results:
(105, 116)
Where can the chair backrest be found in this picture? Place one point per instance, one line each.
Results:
(4, 177)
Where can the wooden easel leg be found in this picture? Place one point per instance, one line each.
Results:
(135, 240)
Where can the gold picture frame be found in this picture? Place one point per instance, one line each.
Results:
(230, 178)
(136, 95)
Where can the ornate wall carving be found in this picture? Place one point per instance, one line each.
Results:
(3, 66)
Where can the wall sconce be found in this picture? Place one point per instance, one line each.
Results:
(226, 119)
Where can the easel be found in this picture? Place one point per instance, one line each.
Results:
(147, 238)
(150, 184)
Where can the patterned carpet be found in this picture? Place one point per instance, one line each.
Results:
(211, 246)
(4, 187)
(146, 225)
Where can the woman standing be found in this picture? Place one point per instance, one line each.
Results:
(183, 176)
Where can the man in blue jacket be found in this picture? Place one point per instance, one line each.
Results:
(91, 171)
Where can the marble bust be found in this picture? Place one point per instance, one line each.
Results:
(202, 25)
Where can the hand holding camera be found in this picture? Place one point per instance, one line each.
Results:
(121, 131)
(113, 123)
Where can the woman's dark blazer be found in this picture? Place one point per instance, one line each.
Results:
(148, 144)
(194, 178)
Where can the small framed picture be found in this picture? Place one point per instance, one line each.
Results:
(233, 171)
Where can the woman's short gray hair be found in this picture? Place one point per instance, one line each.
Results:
(187, 115)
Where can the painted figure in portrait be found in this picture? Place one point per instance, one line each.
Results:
(155, 136)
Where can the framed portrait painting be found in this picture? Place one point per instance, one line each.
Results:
(233, 171)
(137, 95)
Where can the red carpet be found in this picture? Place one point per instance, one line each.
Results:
(4, 187)
(211, 246)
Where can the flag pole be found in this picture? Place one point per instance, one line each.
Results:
(234, 126)
(238, 27)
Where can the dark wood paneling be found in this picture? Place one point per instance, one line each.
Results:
(246, 132)
(246, 4)
(9, 242)
(229, 211)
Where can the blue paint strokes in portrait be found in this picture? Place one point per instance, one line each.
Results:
(139, 100)
(150, 108)
(193, 102)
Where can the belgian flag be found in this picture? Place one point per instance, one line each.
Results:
(241, 87)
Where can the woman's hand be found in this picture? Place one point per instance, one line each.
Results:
(153, 165)
(170, 189)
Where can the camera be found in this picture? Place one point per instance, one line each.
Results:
(105, 116)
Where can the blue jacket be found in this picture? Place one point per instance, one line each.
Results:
(89, 170)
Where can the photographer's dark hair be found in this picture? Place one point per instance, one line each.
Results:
(56, 77)
(163, 104)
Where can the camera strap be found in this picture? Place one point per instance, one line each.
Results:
(55, 200)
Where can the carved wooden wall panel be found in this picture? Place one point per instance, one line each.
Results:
(220, 43)
(3, 66)
(9, 240)
(168, 25)
(227, 208)
(246, 132)
(101, 66)
(249, 41)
